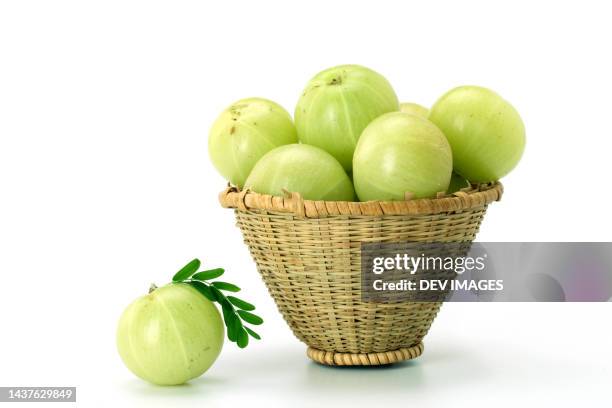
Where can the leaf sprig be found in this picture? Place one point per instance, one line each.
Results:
(236, 311)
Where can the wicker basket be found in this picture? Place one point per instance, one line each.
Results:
(308, 254)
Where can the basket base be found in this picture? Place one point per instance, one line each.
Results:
(332, 358)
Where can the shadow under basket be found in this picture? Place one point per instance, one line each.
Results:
(308, 254)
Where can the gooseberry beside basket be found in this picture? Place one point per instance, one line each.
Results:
(308, 254)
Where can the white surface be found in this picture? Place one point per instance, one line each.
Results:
(106, 186)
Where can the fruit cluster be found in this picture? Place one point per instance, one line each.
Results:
(351, 138)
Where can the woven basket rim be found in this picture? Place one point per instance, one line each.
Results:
(467, 198)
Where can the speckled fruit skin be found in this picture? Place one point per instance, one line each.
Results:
(171, 335)
(244, 132)
(486, 133)
(414, 109)
(337, 104)
(400, 153)
(304, 169)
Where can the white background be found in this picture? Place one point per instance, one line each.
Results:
(105, 187)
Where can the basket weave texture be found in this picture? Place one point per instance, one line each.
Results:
(308, 254)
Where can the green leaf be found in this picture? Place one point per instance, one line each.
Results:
(253, 333)
(231, 334)
(218, 294)
(229, 316)
(204, 289)
(209, 274)
(230, 322)
(187, 271)
(234, 309)
(237, 325)
(243, 338)
(241, 304)
(226, 286)
(250, 317)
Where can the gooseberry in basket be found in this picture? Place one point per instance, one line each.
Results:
(244, 132)
(304, 169)
(337, 104)
(414, 109)
(485, 132)
(400, 154)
